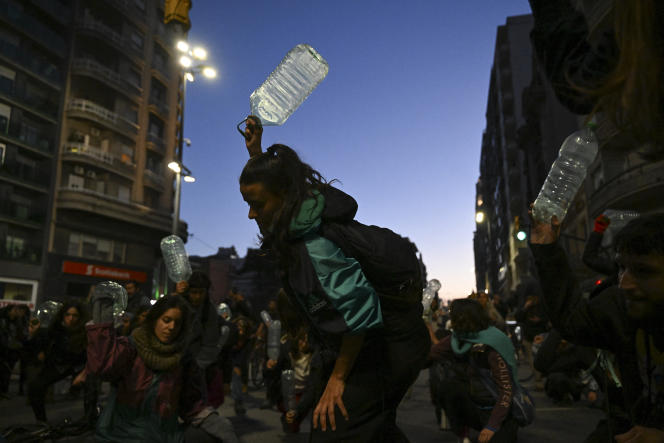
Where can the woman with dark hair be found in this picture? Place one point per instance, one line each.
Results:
(367, 368)
(473, 347)
(619, 75)
(63, 354)
(156, 380)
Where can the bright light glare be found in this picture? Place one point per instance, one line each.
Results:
(189, 76)
(209, 72)
(182, 46)
(199, 53)
(189, 179)
(174, 166)
(479, 217)
(185, 61)
(521, 235)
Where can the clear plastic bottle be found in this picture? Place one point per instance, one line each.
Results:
(298, 74)
(566, 175)
(429, 294)
(224, 332)
(288, 388)
(267, 319)
(224, 311)
(115, 291)
(618, 220)
(273, 340)
(47, 311)
(175, 258)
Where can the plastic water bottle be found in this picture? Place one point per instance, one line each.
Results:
(429, 293)
(175, 258)
(47, 311)
(224, 311)
(267, 319)
(566, 175)
(273, 340)
(298, 74)
(223, 336)
(115, 291)
(288, 388)
(619, 220)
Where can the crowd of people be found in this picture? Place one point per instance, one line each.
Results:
(354, 334)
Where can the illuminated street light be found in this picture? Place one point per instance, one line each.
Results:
(174, 166)
(479, 217)
(209, 72)
(185, 61)
(199, 53)
(189, 178)
(521, 235)
(182, 46)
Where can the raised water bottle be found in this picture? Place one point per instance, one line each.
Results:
(618, 220)
(428, 294)
(298, 74)
(288, 389)
(273, 340)
(223, 310)
(175, 258)
(566, 175)
(116, 292)
(267, 319)
(224, 332)
(47, 311)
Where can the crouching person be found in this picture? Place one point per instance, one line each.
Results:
(477, 349)
(155, 381)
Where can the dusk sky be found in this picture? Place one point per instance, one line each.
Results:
(398, 120)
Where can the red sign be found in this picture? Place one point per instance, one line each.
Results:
(72, 267)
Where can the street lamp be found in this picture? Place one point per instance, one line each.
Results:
(178, 168)
(479, 217)
(190, 61)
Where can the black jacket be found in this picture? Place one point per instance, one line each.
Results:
(600, 322)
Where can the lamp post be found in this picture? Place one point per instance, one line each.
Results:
(178, 168)
(191, 60)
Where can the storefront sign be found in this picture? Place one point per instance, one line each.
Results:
(72, 267)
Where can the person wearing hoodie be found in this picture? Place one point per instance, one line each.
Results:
(367, 368)
(624, 319)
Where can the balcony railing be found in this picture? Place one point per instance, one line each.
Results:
(93, 193)
(91, 24)
(155, 177)
(157, 142)
(161, 106)
(97, 69)
(100, 113)
(89, 151)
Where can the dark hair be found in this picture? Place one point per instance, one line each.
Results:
(164, 304)
(288, 314)
(135, 317)
(78, 335)
(132, 282)
(468, 316)
(642, 236)
(199, 279)
(632, 94)
(282, 172)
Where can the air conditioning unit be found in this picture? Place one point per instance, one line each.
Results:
(79, 170)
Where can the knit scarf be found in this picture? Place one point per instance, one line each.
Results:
(157, 355)
(462, 343)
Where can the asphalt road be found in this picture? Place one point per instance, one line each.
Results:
(416, 418)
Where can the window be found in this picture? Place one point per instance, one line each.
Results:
(137, 39)
(134, 78)
(74, 244)
(126, 154)
(76, 182)
(16, 290)
(7, 77)
(94, 248)
(5, 115)
(123, 193)
(14, 246)
(3, 149)
(104, 249)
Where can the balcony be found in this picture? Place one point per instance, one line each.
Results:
(108, 34)
(45, 71)
(25, 216)
(24, 136)
(25, 175)
(106, 160)
(129, 9)
(87, 109)
(156, 143)
(92, 68)
(154, 179)
(34, 104)
(12, 12)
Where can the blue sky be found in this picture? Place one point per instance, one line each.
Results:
(398, 120)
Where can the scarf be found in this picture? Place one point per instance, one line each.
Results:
(157, 355)
(492, 337)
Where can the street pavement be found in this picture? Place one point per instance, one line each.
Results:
(416, 418)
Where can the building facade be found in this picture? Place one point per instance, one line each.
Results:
(105, 129)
